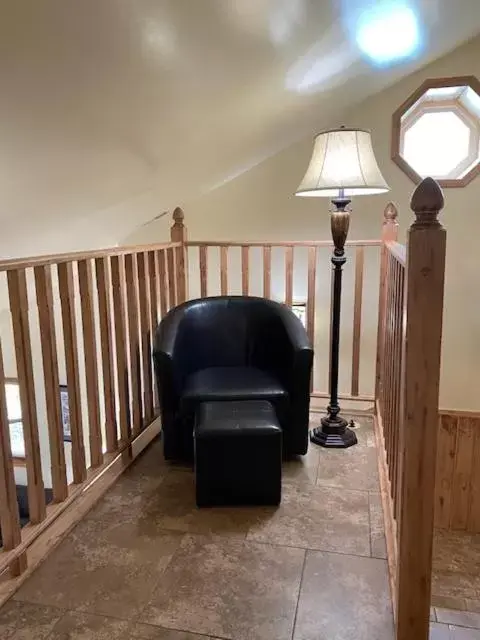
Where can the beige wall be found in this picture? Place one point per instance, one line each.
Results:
(260, 205)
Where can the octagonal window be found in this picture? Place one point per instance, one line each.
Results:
(436, 132)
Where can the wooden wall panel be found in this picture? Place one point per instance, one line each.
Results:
(462, 474)
(457, 485)
(474, 506)
(447, 444)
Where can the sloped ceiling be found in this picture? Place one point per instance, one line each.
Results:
(112, 111)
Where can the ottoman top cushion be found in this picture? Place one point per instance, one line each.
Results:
(236, 418)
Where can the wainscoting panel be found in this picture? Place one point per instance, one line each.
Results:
(457, 501)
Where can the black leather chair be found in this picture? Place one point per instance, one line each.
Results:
(232, 348)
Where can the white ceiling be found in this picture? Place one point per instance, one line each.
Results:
(118, 102)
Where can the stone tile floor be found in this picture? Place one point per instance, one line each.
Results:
(456, 570)
(146, 563)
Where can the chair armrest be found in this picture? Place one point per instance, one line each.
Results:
(167, 373)
(297, 354)
(283, 347)
(294, 329)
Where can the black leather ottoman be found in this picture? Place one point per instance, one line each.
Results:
(238, 453)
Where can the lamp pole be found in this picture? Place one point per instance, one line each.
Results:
(342, 164)
(334, 431)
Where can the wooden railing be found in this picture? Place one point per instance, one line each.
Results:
(407, 388)
(245, 268)
(86, 321)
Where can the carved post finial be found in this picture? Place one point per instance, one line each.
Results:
(178, 216)
(427, 202)
(390, 213)
(178, 231)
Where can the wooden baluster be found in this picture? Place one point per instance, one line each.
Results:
(391, 383)
(245, 270)
(118, 280)
(152, 265)
(17, 290)
(357, 318)
(145, 337)
(312, 270)
(9, 518)
(398, 380)
(395, 378)
(67, 300)
(384, 374)
(102, 270)
(172, 296)
(224, 270)
(180, 275)
(46, 318)
(289, 276)
(310, 311)
(85, 280)
(388, 362)
(162, 281)
(402, 328)
(391, 377)
(134, 342)
(389, 233)
(178, 233)
(153, 276)
(267, 268)
(425, 274)
(203, 259)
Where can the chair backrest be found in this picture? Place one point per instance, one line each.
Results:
(225, 331)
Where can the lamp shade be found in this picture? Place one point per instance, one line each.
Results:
(342, 159)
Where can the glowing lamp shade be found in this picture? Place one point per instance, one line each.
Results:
(388, 32)
(343, 163)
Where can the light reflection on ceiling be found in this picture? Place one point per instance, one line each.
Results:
(327, 64)
(386, 32)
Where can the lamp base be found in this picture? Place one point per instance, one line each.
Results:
(333, 434)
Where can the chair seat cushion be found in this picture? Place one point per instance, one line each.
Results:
(233, 383)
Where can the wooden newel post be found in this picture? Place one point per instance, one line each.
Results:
(178, 233)
(425, 275)
(389, 234)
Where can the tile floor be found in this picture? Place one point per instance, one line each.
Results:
(146, 563)
(456, 570)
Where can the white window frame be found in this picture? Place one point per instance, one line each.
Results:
(469, 111)
(430, 105)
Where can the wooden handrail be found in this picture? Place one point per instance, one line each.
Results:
(76, 256)
(105, 304)
(290, 243)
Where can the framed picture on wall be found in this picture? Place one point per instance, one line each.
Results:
(67, 435)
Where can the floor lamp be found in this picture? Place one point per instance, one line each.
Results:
(342, 165)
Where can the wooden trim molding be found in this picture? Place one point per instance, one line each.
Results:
(396, 156)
